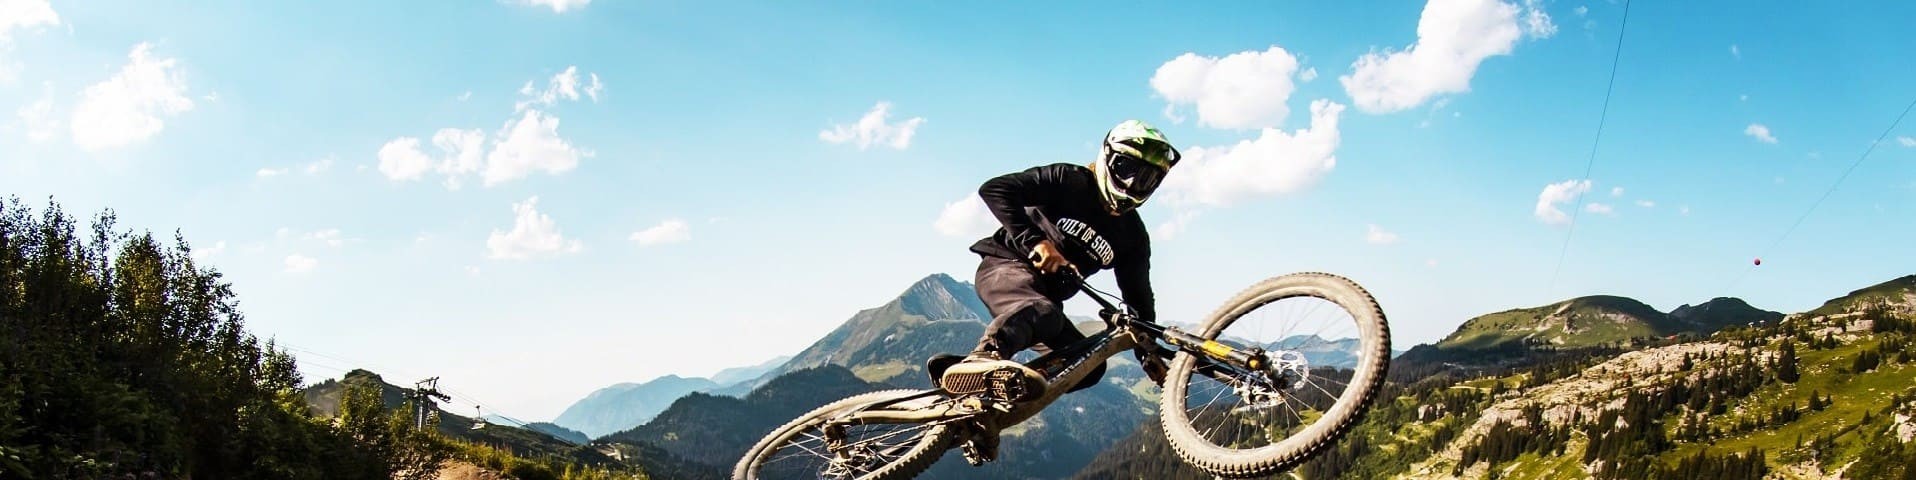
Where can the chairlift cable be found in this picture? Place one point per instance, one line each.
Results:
(1826, 193)
(1602, 117)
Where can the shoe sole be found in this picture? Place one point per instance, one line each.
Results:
(1010, 384)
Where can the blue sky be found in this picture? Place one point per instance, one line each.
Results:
(646, 188)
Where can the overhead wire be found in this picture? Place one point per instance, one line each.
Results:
(1826, 194)
(1590, 164)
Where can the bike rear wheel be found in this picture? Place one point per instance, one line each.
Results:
(799, 450)
(1329, 345)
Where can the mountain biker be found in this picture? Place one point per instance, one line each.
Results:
(1062, 217)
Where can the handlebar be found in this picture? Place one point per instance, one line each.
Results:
(1108, 310)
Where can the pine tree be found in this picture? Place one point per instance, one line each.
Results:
(1786, 363)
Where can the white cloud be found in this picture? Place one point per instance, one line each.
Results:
(297, 263)
(1276, 162)
(1453, 37)
(472, 270)
(205, 253)
(872, 129)
(965, 217)
(1646, 203)
(1242, 90)
(329, 236)
(129, 107)
(1581, 10)
(1759, 132)
(1616, 191)
(1555, 194)
(557, 6)
(533, 234)
(465, 96)
(314, 168)
(1536, 23)
(1599, 208)
(1308, 75)
(1376, 235)
(1177, 224)
(400, 159)
(1683, 210)
(562, 86)
(464, 153)
(1906, 141)
(669, 231)
(1736, 52)
(318, 167)
(1171, 112)
(24, 15)
(1431, 263)
(527, 144)
(37, 117)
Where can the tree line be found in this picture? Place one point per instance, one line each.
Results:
(122, 357)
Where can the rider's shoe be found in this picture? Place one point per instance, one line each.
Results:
(985, 371)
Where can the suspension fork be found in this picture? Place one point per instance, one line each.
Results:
(1218, 353)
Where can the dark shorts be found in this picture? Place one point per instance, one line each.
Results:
(1026, 308)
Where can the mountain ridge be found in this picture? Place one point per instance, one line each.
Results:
(1817, 394)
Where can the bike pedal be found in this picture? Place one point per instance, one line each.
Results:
(981, 450)
(973, 457)
(1008, 385)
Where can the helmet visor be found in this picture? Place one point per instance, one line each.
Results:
(1134, 176)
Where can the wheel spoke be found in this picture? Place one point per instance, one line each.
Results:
(1246, 409)
(804, 452)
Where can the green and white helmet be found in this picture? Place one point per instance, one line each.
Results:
(1133, 161)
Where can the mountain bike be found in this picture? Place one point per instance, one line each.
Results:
(1241, 398)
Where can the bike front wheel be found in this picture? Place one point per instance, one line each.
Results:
(818, 446)
(1327, 345)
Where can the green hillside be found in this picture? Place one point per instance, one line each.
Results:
(1808, 397)
(1900, 291)
(1578, 322)
(324, 398)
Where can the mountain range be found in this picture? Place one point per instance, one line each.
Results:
(1605, 347)
(626, 405)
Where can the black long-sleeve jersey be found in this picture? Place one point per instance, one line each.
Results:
(1061, 202)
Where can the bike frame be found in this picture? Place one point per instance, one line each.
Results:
(1065, 367)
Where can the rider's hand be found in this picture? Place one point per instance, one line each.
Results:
(1047, 258)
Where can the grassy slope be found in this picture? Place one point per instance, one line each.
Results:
(1824, 372)
(1897, 290)
(1588, 319)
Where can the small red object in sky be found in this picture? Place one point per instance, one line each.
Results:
(1759, 261)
